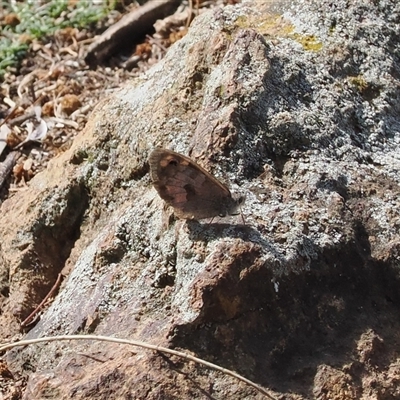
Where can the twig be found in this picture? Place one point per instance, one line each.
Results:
(133, 26)
(189, 20)
(9, 116)
(7, 166)
(21, 118)
(156, 42)
(144, 345)
(28, 319)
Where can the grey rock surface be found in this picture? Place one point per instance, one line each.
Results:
(296, 104)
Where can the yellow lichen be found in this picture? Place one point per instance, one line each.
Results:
(359, 82)
(309, 42)
(275, 26)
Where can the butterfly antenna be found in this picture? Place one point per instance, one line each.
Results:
(241, 214)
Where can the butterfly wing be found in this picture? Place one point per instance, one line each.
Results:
(188, 188)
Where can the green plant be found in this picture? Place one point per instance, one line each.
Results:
(37, 20)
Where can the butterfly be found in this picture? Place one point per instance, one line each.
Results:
(188, 188)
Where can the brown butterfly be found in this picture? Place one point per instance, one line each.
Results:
(188, 188)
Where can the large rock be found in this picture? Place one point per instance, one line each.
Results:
(298, 104)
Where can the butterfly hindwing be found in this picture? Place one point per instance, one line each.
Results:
(188, 188)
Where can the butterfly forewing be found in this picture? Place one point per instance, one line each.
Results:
(188, 188)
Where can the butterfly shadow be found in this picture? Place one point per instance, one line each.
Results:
(202, 231)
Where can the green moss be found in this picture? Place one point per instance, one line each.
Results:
(10, 52)
(36, 21)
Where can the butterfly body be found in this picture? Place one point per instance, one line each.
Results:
(188, 188)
